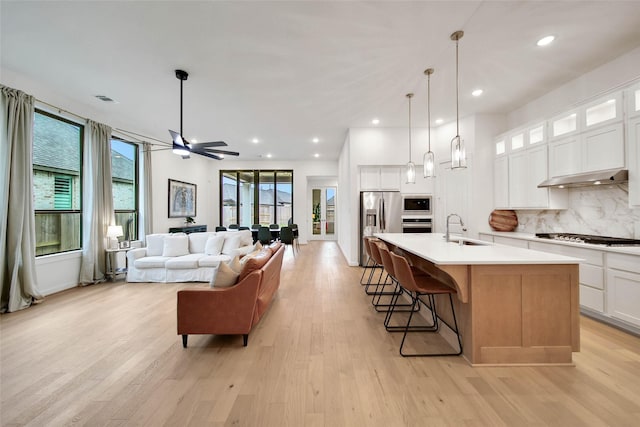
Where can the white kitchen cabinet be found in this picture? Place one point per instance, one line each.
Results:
(633, 141)
(501, 182)
(603, 148)
(390, 177)
(422, 185)
(623, 287)
(565, 156)
(369, 178)
(377, 178)
(564, 125)
(598, 149)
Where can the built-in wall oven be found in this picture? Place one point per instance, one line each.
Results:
(417, 224)
(413, 204)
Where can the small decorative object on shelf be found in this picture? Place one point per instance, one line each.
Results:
(189, 220)
(125, 244)
(503, 220)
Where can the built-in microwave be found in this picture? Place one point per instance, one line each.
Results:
(416, 204)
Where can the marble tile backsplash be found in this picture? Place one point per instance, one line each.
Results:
(601, 210)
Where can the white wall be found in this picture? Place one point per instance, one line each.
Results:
(347, 187)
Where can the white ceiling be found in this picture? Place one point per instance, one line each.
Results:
(286, 72)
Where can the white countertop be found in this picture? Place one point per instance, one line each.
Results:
(433, 247)
(631, 250)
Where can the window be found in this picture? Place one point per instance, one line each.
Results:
(124, 173)
(266, 197)
(57, 183)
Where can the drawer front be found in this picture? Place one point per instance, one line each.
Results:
(519, 243)
(485, 237)
(590, 256)
(592, 276)
(592, 298)
(624, 262)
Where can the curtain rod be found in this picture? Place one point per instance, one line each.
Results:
(62, 110)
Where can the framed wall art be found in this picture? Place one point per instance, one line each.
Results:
(182, 199)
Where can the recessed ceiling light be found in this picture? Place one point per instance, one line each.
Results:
(439, 121)
(375, 121)
(546, 40)
(316, 155)
(477, 92)
(316, 140)
(269, 155)
(194, 141)
(255, 140)
(597, 183)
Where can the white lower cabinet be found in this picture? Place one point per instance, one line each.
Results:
(623, 287)
(508, 241)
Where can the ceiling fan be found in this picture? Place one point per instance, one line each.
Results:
(184, 148)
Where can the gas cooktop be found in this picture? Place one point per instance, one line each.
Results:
(586, 238)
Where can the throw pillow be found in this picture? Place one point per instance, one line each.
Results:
(231, 242)
(254, 263)
(155, 244)
(214, 245)
(224, 276)
(177, 245)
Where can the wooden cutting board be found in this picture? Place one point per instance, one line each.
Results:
(503, 220)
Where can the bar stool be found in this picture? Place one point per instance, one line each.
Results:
(381, 285)
(388, 266)
(417, 286)
(370, 263)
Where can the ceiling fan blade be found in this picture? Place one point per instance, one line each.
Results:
(210, 155)
(177, 138)
(209, 144)
(214, 150)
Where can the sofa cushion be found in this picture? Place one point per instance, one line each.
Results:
(246, 238)
(197, 242)
(231, 242)
(255, 262)
(151, 262)
(214, 245)
(177, 245)
(183, 262)
(155, 244)
(213, 260)
(224, 276)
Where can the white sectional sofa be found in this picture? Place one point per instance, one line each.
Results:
(185, 257)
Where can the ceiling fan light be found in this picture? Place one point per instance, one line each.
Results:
(180, 150)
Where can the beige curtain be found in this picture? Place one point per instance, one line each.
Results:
(18, 280)
(97, 202)
(146, 211)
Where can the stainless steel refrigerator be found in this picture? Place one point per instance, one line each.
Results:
(380, 212)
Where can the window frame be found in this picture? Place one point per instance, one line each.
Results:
(256, 192)
(136, 195)
(79, 211)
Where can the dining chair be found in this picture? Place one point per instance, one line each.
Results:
(233, 226)
(264, 235)
(286, 237)
(221, 228)
(275, 231)
(243, 227)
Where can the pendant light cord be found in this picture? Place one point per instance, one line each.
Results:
(429, 107)
(181, 134)
(409, 96)
(457, 96)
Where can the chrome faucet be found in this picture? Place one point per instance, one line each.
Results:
(447, 235)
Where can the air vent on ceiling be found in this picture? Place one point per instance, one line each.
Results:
(106, 99)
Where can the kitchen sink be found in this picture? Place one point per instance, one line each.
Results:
(465, 242)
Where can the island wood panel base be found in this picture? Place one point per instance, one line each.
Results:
(524, 314)
(521, 314)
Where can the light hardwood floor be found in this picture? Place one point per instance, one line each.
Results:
(109, 355)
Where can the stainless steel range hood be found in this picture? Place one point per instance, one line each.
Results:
(606, 177)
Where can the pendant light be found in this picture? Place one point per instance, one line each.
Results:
(458, 155)
(411, 168)
(428, 160)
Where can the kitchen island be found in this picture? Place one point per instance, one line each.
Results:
(514, 306)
